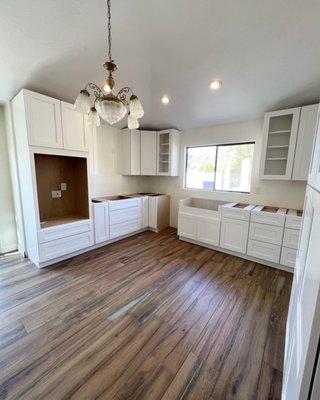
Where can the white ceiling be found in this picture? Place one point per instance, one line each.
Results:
(267, 52)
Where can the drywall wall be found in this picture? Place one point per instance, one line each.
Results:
(8, 232)
(108, 180)
(276, 193)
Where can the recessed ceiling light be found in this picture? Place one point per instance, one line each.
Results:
(165, 99)
(216, 84)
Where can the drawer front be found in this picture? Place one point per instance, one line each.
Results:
(266, 233)
(268, 218)
(122, 204)
(128, 214)
(293, 222)
(288, 257)
(57, 232)
(291, 238)
(124, 228)
(243, 215)
(265, 251)
(60, 247)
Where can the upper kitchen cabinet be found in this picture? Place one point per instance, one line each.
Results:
(168, 152)
(314, 172)
(287, 143)
(73, 128)
(306, 133)
(148, 153)
(52, 123)
(43, 119)
(130, 152)
(280, 131)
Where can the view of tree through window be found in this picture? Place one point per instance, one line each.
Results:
(221, 167)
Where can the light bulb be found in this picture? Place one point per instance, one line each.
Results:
(106, 88)
(165, 99)
(216, 84)
(133, 123)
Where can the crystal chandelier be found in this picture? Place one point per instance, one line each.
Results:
(107, 105)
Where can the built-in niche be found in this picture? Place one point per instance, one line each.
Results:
(71, 172)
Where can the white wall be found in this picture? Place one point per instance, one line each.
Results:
(275, 193)
(108, 181)
(8, 234)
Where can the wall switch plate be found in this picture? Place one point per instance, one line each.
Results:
(56, 194)
(63, 186)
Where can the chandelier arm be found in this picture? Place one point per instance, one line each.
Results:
(122, 94)
(95, 89)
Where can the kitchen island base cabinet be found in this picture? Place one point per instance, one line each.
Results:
(234, 234)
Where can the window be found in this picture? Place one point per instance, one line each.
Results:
(220, 167)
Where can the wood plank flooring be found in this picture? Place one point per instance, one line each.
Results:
(149, 317)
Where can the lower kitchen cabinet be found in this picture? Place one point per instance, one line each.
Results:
(291, 238)
(208, 230)
(234, 234)
(266, 233)
(265, 251)
(288, 257)
(101, 222)
(188, 226)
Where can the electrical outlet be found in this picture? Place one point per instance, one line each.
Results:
(56, 194)
(63, 186)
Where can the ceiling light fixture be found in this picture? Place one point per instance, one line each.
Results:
(110, 107)
(215, 84)
(165, 99)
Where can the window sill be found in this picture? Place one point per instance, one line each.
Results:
(217, 191)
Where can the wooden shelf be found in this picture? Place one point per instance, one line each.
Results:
(164, 162)
(276, 159)
(279, 132)
(285, 146)
(164, 144)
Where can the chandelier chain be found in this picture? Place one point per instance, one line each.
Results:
(109, 29)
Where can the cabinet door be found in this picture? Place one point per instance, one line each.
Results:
(153, 212)
(43, 120)
(208, 230)
(314, 172)
(145, 212)
(188, 226)
(280, 130)
(148, 153)
(74, 128)
(306, 134)
(92, 136)
(101, 222)
(303, 323)
(234, 234)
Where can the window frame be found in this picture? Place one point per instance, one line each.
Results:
(215, 165)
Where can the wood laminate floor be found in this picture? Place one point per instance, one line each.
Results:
(150, 317)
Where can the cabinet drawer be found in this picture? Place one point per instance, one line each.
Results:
(60, 247)
(122, 204)
(124, 228)
(291, 238)
(57, 232)
(127, 214)
(288, 257)
(265, 251)
(293, 222)
(268, 218)
(243, 215)
(266, 233)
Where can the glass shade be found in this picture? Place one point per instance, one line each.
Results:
(94, 117)
(111, 109)
(82, 102)
(133, 123)
(136, 109)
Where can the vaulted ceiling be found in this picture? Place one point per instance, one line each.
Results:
(267, 53)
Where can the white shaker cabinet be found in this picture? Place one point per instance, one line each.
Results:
(130, 152)
(188, 226)
(74, 128)
(280, 129)
(234, 234)
(101, 221)
(306, 134)
(314, 172)
(168, 147)
(148, 153)
(43, 120)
